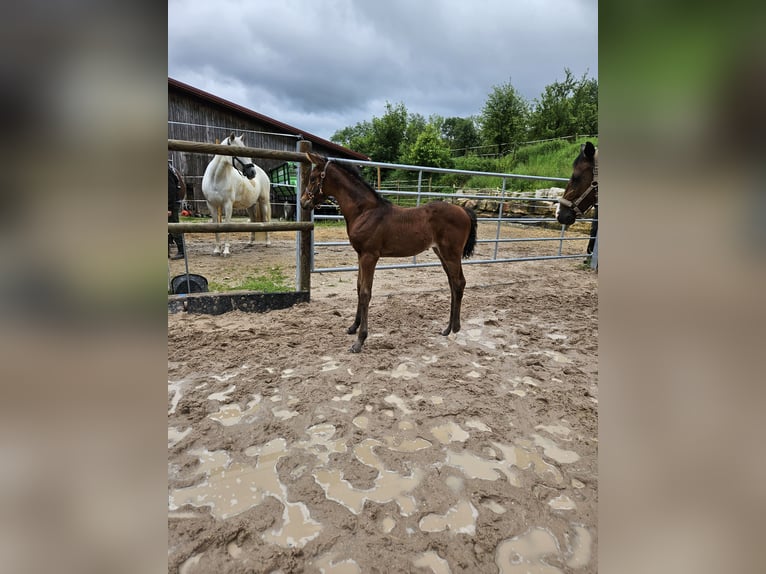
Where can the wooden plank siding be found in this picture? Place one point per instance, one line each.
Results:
(195, 115)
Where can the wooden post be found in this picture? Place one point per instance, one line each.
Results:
(305, 238)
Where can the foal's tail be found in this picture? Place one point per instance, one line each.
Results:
(471, 242)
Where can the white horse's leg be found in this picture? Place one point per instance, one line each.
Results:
(265, 204)
(215, 217)
(252, 213)
(228, 207)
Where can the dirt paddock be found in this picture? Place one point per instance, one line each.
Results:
(475, 452)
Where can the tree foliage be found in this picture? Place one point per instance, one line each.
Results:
(566, 108)
(461, 134)
(503, 119)
(429, 149)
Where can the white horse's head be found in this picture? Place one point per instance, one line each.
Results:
(241, 164)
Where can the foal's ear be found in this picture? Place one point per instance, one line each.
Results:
(589, 150)
(316, 159)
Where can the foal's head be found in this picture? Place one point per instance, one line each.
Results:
(582, 189)
(314, 194)
(243, 165)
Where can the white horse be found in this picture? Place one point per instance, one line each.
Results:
(232, 181)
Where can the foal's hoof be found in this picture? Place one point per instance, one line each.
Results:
(351, 330)
(356, 347)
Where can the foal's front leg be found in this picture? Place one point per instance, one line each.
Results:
(364, 294)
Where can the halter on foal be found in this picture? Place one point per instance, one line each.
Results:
(376, 228)
(582, 189)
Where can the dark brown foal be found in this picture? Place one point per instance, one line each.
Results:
(376, 228)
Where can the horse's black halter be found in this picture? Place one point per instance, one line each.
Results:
(593, 188)
(311, 194)
(235, 159)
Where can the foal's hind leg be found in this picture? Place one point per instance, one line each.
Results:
(364, 294)
(454, 270)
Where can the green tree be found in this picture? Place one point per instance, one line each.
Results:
(565, 108)
(503, 119)
(429, 150)
(460, 134)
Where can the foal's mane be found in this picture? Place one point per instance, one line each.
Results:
(353, 172)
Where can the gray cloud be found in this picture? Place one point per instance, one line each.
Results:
(323, 66)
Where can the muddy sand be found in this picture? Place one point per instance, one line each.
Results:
(475, 452)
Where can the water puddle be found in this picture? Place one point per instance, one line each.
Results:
(449, 432)
(474, 466)
(356, 391)
(558, 430)
(398, 403)
(175, 436)
(326, 565)
(404, 371)
(223, 396)
(187, 566)
(553, 451)
(387, 525)
(432, 560)
(229, 415)
(174, 387)
(388, 485)
(581, 549)
(231, 488)
(460, 519)
(234, 550)
(478, 425)
(524, 554)
(562, 502)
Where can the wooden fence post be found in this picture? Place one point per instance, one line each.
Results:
(306, 238)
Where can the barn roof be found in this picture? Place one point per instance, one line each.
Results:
(277, 125)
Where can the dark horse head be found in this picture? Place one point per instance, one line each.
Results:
(581, 192)
(314, 194)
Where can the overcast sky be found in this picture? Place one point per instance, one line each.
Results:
(323, 65)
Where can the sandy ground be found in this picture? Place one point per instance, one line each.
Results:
(475, 452)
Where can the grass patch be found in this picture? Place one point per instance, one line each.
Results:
(273, 280)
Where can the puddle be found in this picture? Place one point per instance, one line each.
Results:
(562, 502)
(474, 466)
(361, 422)
(174, 387)
(284, 415)
(553, 451)
(326, 565)
(398, 403)
(187, 566)
(231, 488)
(388, 485)
(223, 396)
(524, 554)
(460, 520)
(478, 425)
(581, 549)
(233, 550)
(175, 436)
(493, 505)
(230, 415)
(355, 392)
(432, 560)
(449, 432)
(387, 524)
(558, 430)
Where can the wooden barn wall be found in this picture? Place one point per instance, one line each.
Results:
(210, 122)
